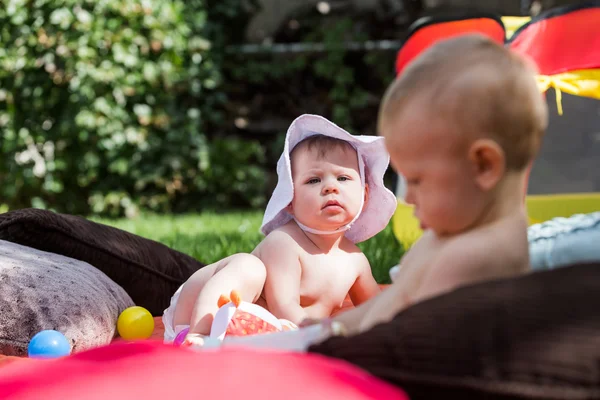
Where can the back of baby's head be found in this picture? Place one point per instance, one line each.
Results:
(483, 89)
(322, 144)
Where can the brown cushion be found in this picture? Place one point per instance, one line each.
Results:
(149, 272)
(532, 337)
(40, 290)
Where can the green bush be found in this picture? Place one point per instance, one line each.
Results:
(105, 106)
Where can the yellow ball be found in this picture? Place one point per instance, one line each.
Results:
(135, 323)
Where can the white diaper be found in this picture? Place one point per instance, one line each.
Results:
(167, 318)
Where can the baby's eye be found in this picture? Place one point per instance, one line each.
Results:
(413, 181)
(312, 181)
(343, 178)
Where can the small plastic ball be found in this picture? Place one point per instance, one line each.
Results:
(48, 344)
(135, 323)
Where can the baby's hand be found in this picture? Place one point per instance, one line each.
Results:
(194, 340)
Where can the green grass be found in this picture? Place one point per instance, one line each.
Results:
(209, 236)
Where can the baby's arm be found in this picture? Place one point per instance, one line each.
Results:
(377, 309)
(282, 288)
(352, 319)
(365, 285)
(452, 267)
(458, 264)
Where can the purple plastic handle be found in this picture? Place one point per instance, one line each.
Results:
(180, 337)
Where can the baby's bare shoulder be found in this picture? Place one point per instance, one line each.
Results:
(351, 248)
(499, 237)
(279, 238)
(498, 249)
(354, 253)
(277, 241)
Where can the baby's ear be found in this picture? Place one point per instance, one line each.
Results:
(366, 196)
(489, 163)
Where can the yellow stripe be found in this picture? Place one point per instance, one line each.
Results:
(511, 24)
(544, 207)
(583, 82)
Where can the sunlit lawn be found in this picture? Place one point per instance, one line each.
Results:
(210, 236)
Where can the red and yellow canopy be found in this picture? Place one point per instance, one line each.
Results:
(564, 43)
(426, 31)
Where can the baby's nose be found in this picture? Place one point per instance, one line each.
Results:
(330, 188)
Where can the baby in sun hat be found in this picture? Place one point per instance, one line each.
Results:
(329, 196)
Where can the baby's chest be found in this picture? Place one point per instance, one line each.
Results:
(327, 277)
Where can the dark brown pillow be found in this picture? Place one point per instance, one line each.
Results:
(149, 272)
(532, 337)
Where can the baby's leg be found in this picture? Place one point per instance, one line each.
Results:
(197, 304)
(190, 290)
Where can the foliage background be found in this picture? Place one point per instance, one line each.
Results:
(110, 107)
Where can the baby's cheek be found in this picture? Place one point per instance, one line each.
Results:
(446, 210)
(443, 213)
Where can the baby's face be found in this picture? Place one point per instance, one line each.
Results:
(431, 155)
(327, 190)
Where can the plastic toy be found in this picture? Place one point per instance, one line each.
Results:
(236, 317)
(135, 323)
(48, 344)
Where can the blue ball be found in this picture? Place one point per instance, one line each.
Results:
(48, 344)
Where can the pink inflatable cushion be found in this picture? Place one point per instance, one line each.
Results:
(151, 370)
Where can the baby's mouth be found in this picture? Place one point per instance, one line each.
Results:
(332, 203)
